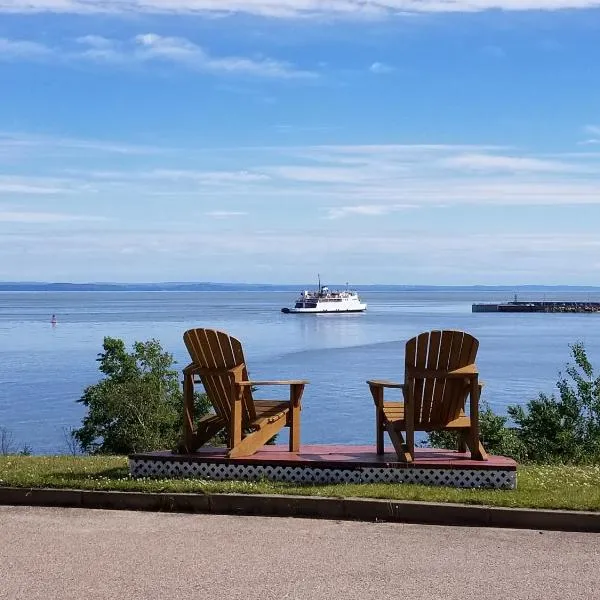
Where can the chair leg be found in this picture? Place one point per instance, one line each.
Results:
(235, 430)
(475, 446)
(294, 444)
(379, 432)
(477, 450)
(293, 418)
(187, 443)
(462, 442)
(398, 442)
(207, 431)
(410, 442)
(255, 440)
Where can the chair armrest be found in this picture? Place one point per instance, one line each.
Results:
(384, 383)
(283, 382)
(463, 372)
(190, 369)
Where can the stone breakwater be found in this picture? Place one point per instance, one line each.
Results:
(543, 307)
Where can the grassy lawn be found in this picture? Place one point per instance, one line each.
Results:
(546, 486)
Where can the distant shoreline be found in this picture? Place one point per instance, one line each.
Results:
(259, 287)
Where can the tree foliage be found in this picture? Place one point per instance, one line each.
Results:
(137, 406)
(564, 428)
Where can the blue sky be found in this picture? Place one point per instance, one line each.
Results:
(393, 141)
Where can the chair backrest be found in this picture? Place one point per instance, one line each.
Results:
(428, 359)
(219, 359)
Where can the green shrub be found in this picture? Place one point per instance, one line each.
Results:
(138, 405)
(564, 428)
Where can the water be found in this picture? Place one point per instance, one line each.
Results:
(43, 369)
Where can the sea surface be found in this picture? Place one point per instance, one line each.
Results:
(44, 368)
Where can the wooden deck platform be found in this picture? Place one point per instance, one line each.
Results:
(331, 464)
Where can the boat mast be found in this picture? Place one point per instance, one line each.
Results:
(319, 277)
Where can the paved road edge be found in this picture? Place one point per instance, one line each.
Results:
(360, 509)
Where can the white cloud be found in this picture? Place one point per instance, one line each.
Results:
(225, 214)
(594, 132)
(10, 184)
(43, 217)
(381, 68)
(207, 177)
(23, 50)
(368, 210)
(335, 181)
(288, 8)
(14, 140)
(150, 48)
(491, 162)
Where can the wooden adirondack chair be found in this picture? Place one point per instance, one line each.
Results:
(218, 363)
(439, 374)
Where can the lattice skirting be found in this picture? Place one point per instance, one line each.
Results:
(461, 478)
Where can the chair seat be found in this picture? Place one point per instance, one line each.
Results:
(269, 411)
(393, 412)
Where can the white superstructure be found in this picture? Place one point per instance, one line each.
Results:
(326, 301)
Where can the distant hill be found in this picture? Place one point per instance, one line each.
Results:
(28, 286)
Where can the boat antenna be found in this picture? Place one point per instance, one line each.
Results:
(319, 277)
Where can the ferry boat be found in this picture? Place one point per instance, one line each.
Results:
(325, 300)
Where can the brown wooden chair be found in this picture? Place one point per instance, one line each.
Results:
(439, 374)
(218, 363)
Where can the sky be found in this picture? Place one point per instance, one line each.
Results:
(415, 142)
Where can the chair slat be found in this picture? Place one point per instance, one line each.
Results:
(238, 356)
(195, 341)
(438, 412)
(220, 384)
(418, 384)
(204, 355)
(429, 386)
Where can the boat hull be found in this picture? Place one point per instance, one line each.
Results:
(313, 311)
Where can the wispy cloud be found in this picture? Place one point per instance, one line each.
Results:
(334, 181)
(19, 140)
(380, 68)
(367, 210)
(9, 216)
(515, 164)
(591, 130)
(11, 184)
(288, 8)
(150, 48)
(225, 214)
(22, 49)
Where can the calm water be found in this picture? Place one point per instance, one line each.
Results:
(43, 369)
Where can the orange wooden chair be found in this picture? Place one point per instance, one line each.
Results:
(439, 374)
(218, 363)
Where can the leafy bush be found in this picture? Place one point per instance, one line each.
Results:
(567, 428)
(138, 405)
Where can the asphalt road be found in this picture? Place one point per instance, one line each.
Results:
(48, 553)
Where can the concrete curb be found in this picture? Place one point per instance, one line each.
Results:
(359, 509)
